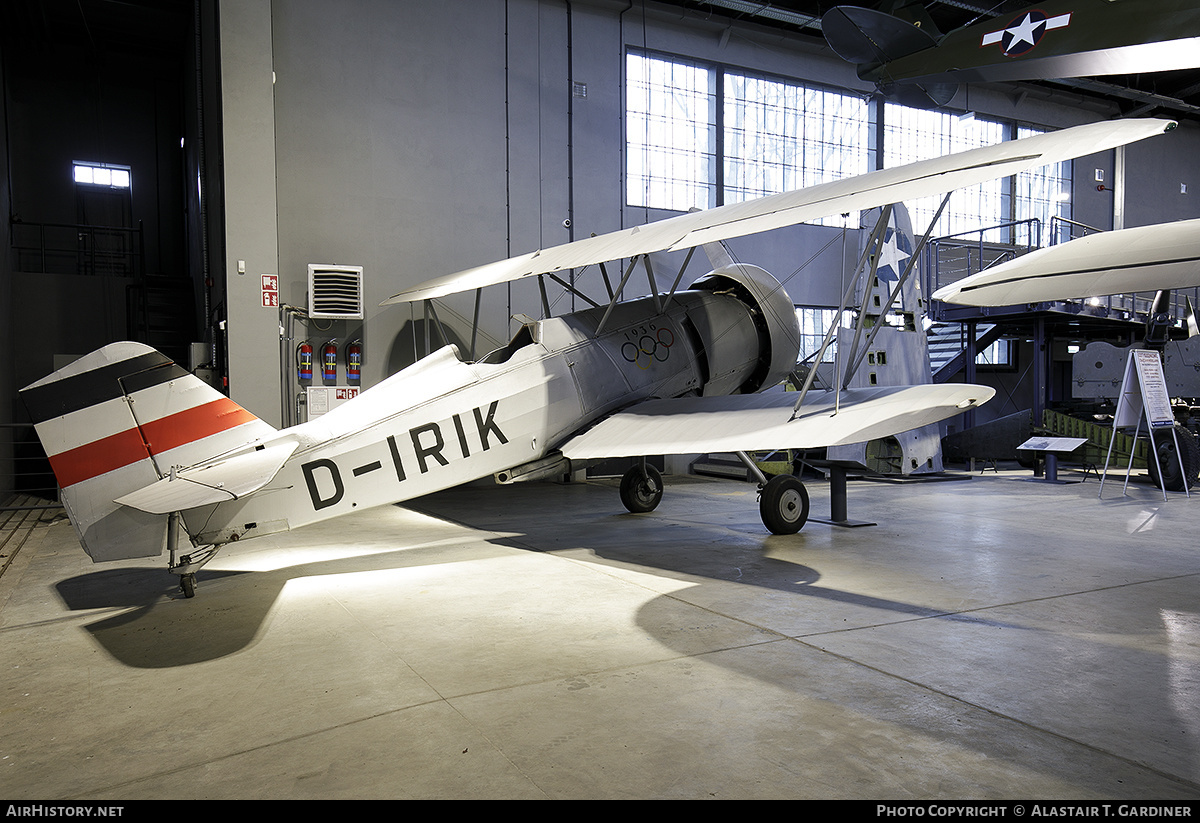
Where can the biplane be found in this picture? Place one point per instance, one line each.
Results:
(150, 458)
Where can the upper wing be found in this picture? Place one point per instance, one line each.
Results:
(928, 177)
(758, 422)
(1148, 258)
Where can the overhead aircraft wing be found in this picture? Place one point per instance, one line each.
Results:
(1147, 258)
(759, 422)
(215, 482)
(1056, 39)
(928, 177)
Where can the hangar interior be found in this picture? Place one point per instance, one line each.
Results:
(201, 175)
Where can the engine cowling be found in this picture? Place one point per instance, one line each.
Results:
(761, 318)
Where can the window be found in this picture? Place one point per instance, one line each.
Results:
(1043, 193)
(911, 134)
(690, 147)
(814, 324)
(998, 356)
(670, 124)
(701, 135)
(102, 174)
(782, 136)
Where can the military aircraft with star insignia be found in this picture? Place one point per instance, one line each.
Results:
(917, 65)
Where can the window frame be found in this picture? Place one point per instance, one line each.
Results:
(1013, 202)
(719, 131)
(111, 171)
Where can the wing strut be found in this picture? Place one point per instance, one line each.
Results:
(855, 356)
(653, 285)
(607, 282)
(660, 304)
(679, 277)
(475, 321)
(874, 240)
(616, 297)
(573, 290)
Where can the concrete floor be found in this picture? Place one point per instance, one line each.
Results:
(990, 638)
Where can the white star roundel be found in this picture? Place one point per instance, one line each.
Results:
(896, 250)
(1025, 32)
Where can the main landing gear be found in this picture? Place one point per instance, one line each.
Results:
(641, 488)
(782, 504)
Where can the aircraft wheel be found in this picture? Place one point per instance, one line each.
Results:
(783, 504)
(187, 584)
(641, 489)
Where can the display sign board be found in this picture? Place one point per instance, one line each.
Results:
(324, 399)
(1053, 444)
(1144, 387)
(1144, 393)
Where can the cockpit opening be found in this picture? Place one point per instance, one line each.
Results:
(523, 338)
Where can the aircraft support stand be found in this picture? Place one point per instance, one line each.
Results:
(838, 507)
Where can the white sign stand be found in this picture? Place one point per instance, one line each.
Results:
(1144, 394)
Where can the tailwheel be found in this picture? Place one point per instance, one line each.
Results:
(187, 566)
(783, 504)
(641, 489)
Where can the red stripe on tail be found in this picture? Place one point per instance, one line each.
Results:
(118, 450)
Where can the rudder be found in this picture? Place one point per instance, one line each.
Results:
(119, 419)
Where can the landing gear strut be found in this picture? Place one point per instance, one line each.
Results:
(187, 565)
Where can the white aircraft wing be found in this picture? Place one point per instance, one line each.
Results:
(1148, 258)
(759, 422)
(214, 482)
(928, 177)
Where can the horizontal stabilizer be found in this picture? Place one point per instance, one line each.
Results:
(878, 188)
(1147, 258)
(759, 422)
(213, 483)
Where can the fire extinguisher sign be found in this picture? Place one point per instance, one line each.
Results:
(270, 291)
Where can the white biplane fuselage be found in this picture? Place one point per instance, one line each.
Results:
(444, 421)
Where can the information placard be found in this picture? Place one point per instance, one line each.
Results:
(1144, 392)
(1144, 387)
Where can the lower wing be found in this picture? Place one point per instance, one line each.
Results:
(759, 422)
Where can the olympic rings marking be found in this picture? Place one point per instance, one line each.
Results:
(648, 348)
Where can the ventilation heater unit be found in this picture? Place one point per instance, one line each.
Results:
(335, 292)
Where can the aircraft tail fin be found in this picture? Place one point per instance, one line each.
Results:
(118, 420)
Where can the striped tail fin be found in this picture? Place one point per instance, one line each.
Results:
(116, 421)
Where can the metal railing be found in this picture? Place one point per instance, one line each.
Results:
(25, 468)
(69, 248)
(1073, 229)
(1132, 306)
(953, 257)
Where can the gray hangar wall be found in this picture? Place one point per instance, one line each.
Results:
(416, 139)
